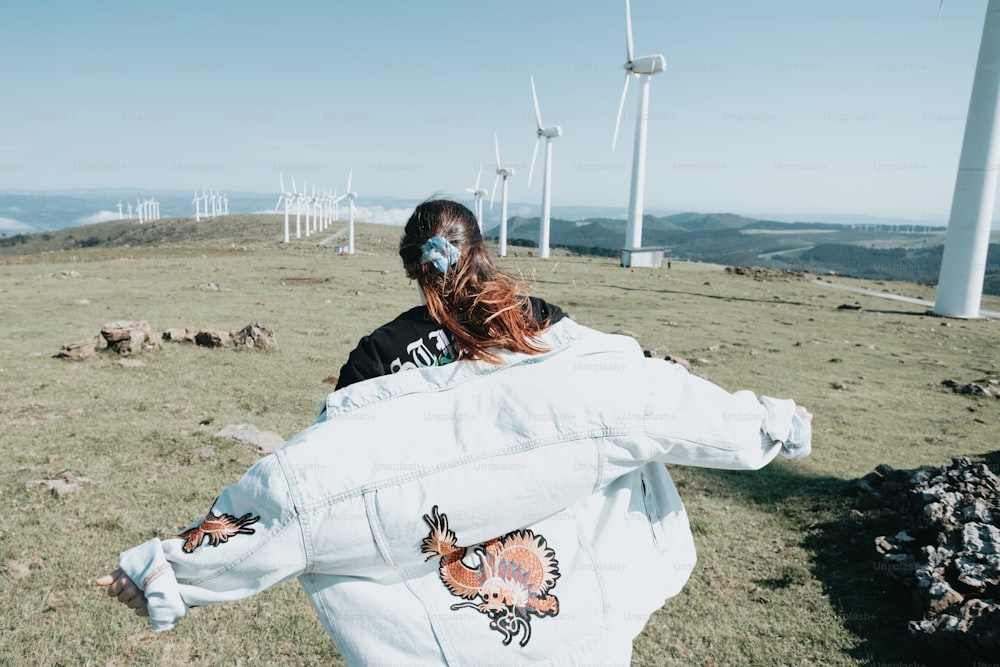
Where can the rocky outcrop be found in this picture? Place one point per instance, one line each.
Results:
(130, 337)
(948, 551)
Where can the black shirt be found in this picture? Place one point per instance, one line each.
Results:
(414, 340)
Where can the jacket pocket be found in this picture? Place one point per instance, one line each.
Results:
(653, 510)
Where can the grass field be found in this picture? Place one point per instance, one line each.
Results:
(787, 573)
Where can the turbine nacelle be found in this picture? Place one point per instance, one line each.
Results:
(646, 65)
(550, 132)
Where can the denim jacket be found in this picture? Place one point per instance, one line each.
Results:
(478, 514)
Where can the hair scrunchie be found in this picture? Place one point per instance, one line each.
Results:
(439, 251)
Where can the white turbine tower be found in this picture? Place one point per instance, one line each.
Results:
(119, 209)
(551, 132)
(307, 200)
(298, 209)
(285, 197)
(963, 265)
(503, 172)
(129, 210)
(643, 67)
(478, 193)
(350, 195)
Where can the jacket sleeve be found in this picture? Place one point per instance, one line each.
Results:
(251, 539)
(695, 422)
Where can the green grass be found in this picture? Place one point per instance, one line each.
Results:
(786, 572)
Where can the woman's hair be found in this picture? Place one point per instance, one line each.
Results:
(479, 305)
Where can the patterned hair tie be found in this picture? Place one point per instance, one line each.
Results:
(440, 251)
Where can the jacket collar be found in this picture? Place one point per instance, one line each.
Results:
(557, 338)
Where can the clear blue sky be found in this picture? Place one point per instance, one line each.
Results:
(821, 110)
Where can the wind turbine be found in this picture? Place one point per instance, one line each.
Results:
(478, 193)
(550, 133)
(129, 210)
(643, 67)
(307, 200)
(350, 195)
(298, 209)
(963, 264)
(501, 172)
(285, 196)
(119, 209)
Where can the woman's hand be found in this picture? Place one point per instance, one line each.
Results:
(122, 587)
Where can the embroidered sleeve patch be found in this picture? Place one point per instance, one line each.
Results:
(217, 529)
(513, 578)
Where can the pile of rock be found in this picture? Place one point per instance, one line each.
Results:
(984, 388)
(763, 273)
(948, 551)
(129, 338)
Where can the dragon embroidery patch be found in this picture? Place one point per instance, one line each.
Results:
(513, 578)
(217, 529)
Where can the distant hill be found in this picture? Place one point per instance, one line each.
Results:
(722, 238)
(884, 252)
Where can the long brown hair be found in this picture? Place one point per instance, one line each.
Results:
(477, 303)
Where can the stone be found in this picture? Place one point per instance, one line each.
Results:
(255, 336)
(680, 361)
(130, 337)
(79, 350)
(947, 552)
(62, 483)
(212, 338)
(266, 442)
(179, 334)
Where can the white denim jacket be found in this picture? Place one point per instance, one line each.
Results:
(479, 514)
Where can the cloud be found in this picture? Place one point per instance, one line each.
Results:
(11, 225)
(100, 216)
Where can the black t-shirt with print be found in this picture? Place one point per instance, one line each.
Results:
(414, 340)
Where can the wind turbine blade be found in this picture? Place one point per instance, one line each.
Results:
(940, 7)
(628, 31)
(493, 194)
(534, 96)
(621, 107)
(294, 189)
(496, 145)
(282, 177)
(534, 154)
(479, 176)
(350, 175)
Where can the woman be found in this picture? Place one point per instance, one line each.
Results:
(470, 307)
(510, 509)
